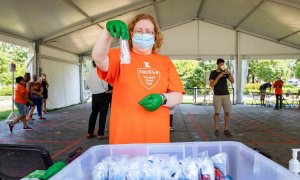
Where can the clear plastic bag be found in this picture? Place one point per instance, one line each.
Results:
(100, 171)
(162, 167)
(124, 52)
(221, 163)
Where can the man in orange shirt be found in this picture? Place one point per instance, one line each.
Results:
(21, 97)
(144, 89)
(277, 85)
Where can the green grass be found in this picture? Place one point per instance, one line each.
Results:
(4, 114)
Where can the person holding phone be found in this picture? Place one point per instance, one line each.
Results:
(218, 81)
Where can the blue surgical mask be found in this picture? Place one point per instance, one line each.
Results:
(143, 41)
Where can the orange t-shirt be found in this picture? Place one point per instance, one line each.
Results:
(278, 86)
(146, 74)
(19, 91)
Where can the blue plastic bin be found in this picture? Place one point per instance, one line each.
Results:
(244, 163)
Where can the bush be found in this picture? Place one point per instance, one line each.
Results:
(286, 85)
(255, 88)
(5, 91)
(251, 87)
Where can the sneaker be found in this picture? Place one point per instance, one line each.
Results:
(217, 133)
(102, 137)
(42, 118)
(10, 127)
(172, 128)
(227, 133)
(90, 136)
(27, 128)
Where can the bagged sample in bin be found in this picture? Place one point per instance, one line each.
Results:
(155, 167)
(220, 162)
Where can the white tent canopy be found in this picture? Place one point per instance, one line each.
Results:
(201, 40)
(193, 29)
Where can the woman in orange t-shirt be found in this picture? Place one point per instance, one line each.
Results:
(144, 89)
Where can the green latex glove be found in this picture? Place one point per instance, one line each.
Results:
(151, 102)
(117, 29)
(46, 174)
(54, 169)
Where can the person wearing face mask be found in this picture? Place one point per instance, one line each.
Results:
(144, 89)
(45, 86)
(218, 80)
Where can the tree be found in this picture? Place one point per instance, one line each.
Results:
(185, 69)
(297, 69)
(251, 71)
(268, 70)
(192, 72)
(11, 53)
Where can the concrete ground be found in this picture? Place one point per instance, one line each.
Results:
(271, 132)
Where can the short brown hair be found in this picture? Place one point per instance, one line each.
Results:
(220, 60)
(157, 33)
(27, 77)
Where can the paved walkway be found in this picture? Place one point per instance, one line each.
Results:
(272, 132)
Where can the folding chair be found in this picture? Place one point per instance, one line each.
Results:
(17, 161)
(255, 98)
(287, 98)
(294, 99)
(207, 98)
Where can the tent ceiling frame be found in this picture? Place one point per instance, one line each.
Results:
(59, 49)
(249, 14)
(249, 33)
(177, 24)
(88, 53)
(90, 21)
(289, 35)
(221, 25)
(58, 59)
(15, 36)
(74, 6)
(286, 3)
(157, 14)
(200, 9)
(103, 17)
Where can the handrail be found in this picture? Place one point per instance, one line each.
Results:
(205, 91)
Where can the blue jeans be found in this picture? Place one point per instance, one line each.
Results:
(38, 102)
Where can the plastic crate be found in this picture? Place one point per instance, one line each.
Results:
(244, 163)
(17, 160)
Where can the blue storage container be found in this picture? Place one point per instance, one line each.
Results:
(244, 163)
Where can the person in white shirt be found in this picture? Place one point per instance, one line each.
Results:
(100, 103)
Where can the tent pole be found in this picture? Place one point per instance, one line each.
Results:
(238, 76)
